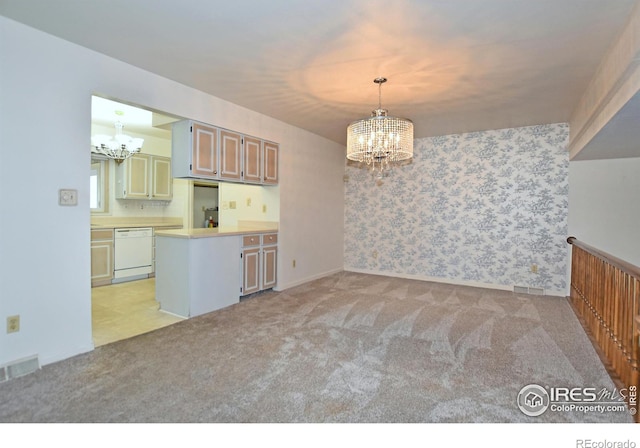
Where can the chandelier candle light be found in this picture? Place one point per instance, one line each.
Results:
(380, 139)
(118, 147)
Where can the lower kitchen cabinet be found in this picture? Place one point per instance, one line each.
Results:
(259, 262)
(101, 257)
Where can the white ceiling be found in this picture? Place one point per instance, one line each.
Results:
(453, 65)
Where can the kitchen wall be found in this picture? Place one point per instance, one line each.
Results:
(604, 210)
(478, 208)
(252, 203)
(45, 269)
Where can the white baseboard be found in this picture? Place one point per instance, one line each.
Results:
(448, 281)
(282, 287)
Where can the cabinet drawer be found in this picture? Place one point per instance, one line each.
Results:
(270, 238)
(101, 234)
(250, 240)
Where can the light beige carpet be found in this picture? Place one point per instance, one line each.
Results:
(346, 348)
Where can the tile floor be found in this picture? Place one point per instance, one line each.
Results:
(124, 310)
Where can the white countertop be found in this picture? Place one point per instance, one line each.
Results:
(217, 231)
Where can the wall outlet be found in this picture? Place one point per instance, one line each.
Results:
(374, 254)
(232, 205)
(264, 208)
(294, 263)
(534, 268)
(248, 202)
(13, 324)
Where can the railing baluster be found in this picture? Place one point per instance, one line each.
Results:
(605, 294)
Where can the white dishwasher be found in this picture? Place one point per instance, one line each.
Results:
(133, 252)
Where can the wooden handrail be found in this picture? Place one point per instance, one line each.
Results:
(613, 261)
(605, 294)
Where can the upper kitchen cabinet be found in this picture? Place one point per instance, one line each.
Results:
(144, 176)
(230, 156)
(260, 161)
(203, 151)
(194, 150)
(270, 163)
(252, 160)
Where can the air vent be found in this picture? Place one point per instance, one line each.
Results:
(19, 368)
(528, 290)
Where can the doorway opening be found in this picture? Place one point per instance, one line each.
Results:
(125, 307)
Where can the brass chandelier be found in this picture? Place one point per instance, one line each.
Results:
(380, 140)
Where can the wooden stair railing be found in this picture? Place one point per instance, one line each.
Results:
(605, 294)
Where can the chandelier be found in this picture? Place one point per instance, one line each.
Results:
(119, 147)
(380, 140)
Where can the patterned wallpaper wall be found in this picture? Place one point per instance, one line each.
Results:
(475, 208)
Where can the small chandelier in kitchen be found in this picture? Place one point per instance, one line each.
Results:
(119, 147)
(380, 140)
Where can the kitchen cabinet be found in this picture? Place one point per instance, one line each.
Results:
(252, 160)
(260, 161)
(270, 157)
(101, 257)
(203, 151)
(230, 155)
(194, 150)
(144, 176)
(259, 262)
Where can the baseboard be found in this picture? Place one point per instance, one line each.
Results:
(448, 281)
(282, 287)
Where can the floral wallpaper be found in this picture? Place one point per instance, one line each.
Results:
(481, 207)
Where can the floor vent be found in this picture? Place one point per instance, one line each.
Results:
(19, 368)
(528, 290)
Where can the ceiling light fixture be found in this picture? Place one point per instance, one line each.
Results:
(380, 140)
(118, 147)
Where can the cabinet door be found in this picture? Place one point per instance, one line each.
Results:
(269, 258)
(134, 177)
(270, 163)
(230, 146)
(250, 270)
(101, 262)
(252, 153)
(204, 157)
(161, 181)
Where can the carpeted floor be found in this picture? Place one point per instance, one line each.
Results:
(347, 348)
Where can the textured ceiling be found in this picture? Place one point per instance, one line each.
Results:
(453, 65)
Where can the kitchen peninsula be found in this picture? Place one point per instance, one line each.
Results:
(201, 270)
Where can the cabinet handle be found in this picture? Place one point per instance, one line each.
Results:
(215, 172)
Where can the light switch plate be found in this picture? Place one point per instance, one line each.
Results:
(67, 197)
